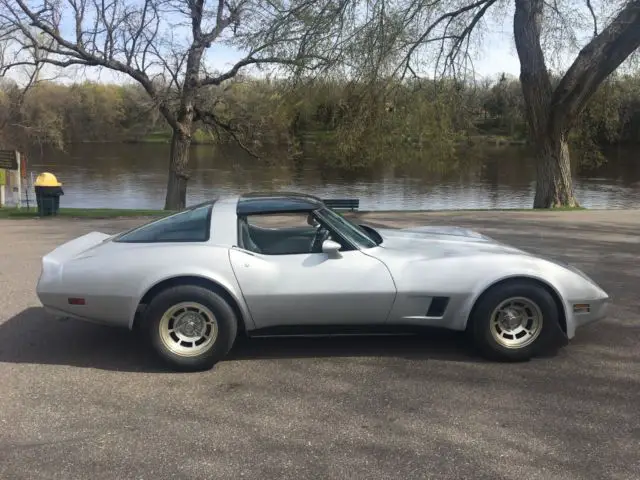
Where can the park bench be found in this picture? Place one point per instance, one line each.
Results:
(342, 203)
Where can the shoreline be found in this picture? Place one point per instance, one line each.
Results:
(103, 213)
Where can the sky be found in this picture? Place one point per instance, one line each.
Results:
(496, 55)
(498, 59)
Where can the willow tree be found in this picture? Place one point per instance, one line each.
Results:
(443, 34)
(166, 46)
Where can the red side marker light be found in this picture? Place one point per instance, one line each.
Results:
(76, 301)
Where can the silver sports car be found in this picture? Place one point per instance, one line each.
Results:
(274, 263)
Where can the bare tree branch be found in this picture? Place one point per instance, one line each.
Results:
(36, 61)
(596, 61)
(450, 16)
(164, 45)
(217, 80)
(467, 31)
(209, 118)
(86, 53)
(593, 16)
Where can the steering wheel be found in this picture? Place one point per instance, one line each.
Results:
(321, 235)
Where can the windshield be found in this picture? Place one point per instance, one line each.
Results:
(352, 232)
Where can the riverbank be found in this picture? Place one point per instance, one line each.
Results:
(89, 213)
(201, 137)
(98, 213)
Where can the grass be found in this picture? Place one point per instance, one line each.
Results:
(97, 213)
(153, 137)
(466, 210)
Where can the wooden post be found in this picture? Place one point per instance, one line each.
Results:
(3, 181)
(17, 188)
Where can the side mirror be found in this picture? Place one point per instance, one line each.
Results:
(330, 247)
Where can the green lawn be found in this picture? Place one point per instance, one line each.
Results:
(82, 212)
(464, 210)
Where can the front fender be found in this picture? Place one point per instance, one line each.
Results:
(485, 284)
(569, 286)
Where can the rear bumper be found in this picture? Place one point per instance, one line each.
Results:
(64, 314)
(99, 309)
(95, 321)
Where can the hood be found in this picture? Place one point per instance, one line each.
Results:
(441, 241)
(442, 230)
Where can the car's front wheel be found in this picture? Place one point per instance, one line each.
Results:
(515, 321)
(190, 327)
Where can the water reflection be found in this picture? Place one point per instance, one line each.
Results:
(134, 176)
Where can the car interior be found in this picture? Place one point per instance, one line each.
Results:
(303, 237)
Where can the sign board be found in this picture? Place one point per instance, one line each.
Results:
(9, 159)
(3, 177)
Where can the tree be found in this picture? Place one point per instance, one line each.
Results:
(446, 29)
(165, 46)
(17, 128)
(551, 112)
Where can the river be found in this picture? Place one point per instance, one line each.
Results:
(134, 176)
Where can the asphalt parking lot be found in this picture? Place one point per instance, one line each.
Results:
(84, 401)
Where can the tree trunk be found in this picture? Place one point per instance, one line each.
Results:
(551, 113)
(553, 179)
(181, 140)
(177, 182)
(554, 185)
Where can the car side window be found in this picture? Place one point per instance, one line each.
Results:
(282, 233)
(191, 225)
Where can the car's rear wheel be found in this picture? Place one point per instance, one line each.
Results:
(191, 328)
(515, 321)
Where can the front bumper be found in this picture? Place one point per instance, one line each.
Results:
(598, 310)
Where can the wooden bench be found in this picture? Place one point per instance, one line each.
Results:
(342, 203)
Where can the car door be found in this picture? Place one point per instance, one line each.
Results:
(313, 288)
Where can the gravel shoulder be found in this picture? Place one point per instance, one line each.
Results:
(84, 401)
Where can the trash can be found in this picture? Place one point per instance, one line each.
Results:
(48, 192)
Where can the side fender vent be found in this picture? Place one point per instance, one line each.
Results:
(438, 306)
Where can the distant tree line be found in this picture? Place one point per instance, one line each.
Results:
(354, 124)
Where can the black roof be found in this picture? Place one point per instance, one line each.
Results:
(276, 202)
(211, 201)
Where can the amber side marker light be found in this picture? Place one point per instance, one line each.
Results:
(76, 301)
(581, 308)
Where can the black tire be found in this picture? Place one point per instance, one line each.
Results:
(225, 318)
(550, 337)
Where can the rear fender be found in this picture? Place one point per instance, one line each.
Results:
(232, 289)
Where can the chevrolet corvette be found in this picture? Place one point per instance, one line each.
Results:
(277, 263)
